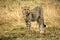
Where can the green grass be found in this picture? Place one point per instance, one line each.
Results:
(20, 33)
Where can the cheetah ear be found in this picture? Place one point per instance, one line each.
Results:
(22, 7)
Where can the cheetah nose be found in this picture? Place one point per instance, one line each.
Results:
(26, 13)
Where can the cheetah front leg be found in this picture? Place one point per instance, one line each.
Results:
(28, 26)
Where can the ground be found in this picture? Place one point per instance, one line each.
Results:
(20, 33)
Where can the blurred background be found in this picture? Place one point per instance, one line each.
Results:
(11, 16)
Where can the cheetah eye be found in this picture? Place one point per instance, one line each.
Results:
(27, 9)
(24, 9)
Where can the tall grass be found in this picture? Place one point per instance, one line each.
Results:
(11, 20)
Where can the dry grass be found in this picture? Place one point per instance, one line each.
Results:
(11, 20)
(11, 10)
